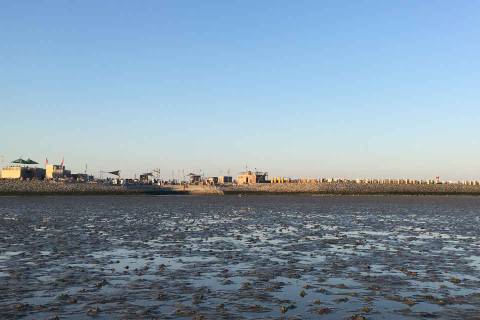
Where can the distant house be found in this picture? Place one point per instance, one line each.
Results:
(250, 177)
(146, 177)
(280, 180)
(18, 172)
(54, 171)
(225, 179)
(194, 178)
(22, 170)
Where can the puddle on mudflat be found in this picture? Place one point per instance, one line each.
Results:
(229, 257)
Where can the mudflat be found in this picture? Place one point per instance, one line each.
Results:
(249, 257)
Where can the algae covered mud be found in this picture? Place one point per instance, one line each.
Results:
(250, 257)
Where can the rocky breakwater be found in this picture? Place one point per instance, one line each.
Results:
(355, 189)
(36, 187)
(12, 187)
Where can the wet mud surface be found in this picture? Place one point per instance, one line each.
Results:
(252, 257)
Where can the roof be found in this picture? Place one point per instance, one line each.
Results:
(258, 173)
(21, 161)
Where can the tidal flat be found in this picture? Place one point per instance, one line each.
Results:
(231, 257)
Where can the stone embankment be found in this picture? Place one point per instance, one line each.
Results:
(13, 187)
(47, 187)
(34, 187)
(354, 189)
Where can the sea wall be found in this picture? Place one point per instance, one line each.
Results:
(34, 187)
(349, 188)
(50, 187)
(12, 187)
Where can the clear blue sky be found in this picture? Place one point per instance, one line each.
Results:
(298, 88)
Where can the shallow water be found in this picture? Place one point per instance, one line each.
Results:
(296, 257)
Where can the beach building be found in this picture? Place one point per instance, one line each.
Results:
(13, 172)
(21, 170)
(54, 171)
(225, 179)
(194, 178)
(280, 180)
(250, 177)
(146, 177)
(18, 172)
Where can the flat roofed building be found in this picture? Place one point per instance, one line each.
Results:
(53, 171)
(18, 172)
(250, 177)
(225, 179)
(146, 177)
(13, 172)
(194, 178)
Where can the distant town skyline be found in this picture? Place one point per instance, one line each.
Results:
(299, 89)
(182, 174)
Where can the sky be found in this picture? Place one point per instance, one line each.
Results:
(297, 88)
